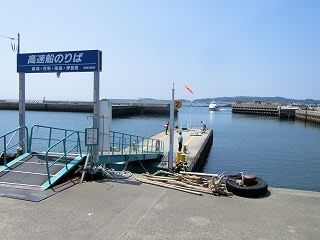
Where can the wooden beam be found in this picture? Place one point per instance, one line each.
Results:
(168, 186)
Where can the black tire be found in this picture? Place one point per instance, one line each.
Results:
(258, 189)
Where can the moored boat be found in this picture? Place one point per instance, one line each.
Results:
(212, 106)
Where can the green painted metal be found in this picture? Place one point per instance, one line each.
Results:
(128, 144)
(65, 153)
(42, 136)
(10, 164)
(105, 159)
(120, 143)
(62, 172)
(66, 147)
(7, 144)
(68, 142)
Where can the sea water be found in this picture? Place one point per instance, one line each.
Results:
(285, 153)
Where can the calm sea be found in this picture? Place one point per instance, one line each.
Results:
(284, 153)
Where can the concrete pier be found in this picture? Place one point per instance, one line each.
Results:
(127, 209)
(118, 110)
(197, 147)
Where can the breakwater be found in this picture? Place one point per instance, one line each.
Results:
(263, 109)
(118, 110)
(278, 110)
(308, 116)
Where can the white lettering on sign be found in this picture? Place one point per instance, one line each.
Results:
(49, 58)
(77, 57)
(70, 58)
(32, 59)
(41, 58)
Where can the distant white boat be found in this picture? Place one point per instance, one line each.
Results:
(213, 106)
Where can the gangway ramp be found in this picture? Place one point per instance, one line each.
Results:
(51, 153)
(41, 170)
(30, 171)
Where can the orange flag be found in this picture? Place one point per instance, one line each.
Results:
(188, 88)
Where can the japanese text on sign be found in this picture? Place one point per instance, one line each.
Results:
(75, 61)
(58, 58)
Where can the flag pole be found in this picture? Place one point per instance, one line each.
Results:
(170, 155)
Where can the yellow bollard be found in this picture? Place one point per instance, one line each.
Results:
(178, 158)
(182, 157)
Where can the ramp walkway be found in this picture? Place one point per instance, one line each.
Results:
(47, 154)
(39, 170)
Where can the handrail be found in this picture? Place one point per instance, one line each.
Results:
(128, 144)
(65, 152)
(5, 144)
(50, 134)
(133, 144)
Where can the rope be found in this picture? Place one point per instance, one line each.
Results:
(8, 37)
(13, 44)
(125, 166)
(143, 166)
(109, 173)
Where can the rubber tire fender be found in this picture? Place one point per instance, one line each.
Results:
(258, 189)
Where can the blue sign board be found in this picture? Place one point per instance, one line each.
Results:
(72, 61)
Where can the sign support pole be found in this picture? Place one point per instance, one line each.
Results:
(22, 109)
(22, 103)
(68, 61)
(170, 155)
(96, 113)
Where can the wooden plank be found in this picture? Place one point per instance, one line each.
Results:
(200, 174)
(167, 186)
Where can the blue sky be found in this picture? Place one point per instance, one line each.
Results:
(219, 48)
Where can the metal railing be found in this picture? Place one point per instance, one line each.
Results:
(67, 143)
(38, 137)
(65, 152)
(7, 145)
(120, 143)
(124, 144)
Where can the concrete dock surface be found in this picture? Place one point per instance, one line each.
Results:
(128, 209)
(193, 140)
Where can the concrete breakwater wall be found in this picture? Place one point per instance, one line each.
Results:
(201, 157)
(308, 116)
(278, 110)
(263, 109)
(118, 110)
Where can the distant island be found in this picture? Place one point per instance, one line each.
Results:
(228, 100)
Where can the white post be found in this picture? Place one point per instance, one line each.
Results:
(170, 155)
(104, 126)
(96, 113)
